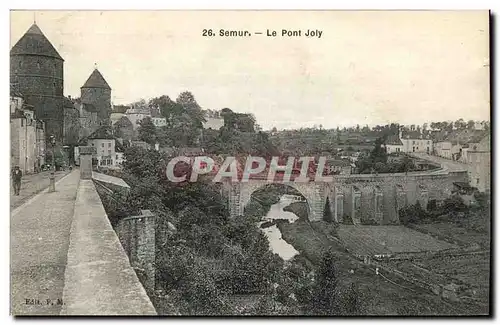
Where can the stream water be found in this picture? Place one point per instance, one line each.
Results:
(277, 244)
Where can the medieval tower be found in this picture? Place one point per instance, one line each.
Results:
(97, 92)
(36, 70)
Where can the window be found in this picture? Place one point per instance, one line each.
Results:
(428, 142)
(109, 144)
(413, 142)
(92, 144)
(102, 145)
(22, 122)
(116, 157)
(109, 151)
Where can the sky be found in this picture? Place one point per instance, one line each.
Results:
(368, 67)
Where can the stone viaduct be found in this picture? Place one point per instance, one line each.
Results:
(370, 198)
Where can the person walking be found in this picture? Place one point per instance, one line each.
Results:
(17, 174)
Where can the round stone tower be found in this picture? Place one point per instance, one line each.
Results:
(97, 92)
(36, 70)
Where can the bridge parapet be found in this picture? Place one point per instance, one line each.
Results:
(99, 279)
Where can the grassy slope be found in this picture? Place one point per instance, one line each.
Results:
(380, 297)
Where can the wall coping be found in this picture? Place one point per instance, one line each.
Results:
(99, 279)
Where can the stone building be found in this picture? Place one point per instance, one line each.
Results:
(71, 132)
(37, 71)
(89, 121)
(23, 133)
(104, 142)
(415, 141)
(479, 159)
(97, 92)
(40, 142)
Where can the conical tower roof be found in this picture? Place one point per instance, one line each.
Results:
(96, 80)
(34, 42)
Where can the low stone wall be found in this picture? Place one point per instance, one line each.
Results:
(99, 279)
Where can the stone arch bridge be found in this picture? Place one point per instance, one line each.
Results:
(364, 198)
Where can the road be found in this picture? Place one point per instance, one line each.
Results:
(30, 185)
(452, 166)
(39, 239)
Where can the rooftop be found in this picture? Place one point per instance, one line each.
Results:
(96, 80)
(34, 42)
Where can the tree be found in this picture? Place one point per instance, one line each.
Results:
(168, 108)
(460, 124)
(188, 102)
(147, 131)
(324, 300)
(328, 217)
(470, 125)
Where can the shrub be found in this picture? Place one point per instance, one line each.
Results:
(412, 214)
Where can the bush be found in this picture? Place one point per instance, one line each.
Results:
(328, 216)
(347, 220)
(412, 214)
(300, 209)
(255, 210)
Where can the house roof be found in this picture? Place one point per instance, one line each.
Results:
(104, 132)
(123, 121)
(33, 42)
(120, 109)
(394, 140)
(96, 80)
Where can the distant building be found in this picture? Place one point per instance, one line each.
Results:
(157, 119)
(104, 142)
(122, 109)
(115, 117)
(394, 144)
(135, 115)
(443, 149)
(140, 144)
(479, 125)
(119, 156)
(479, 160)
(338, 167)
(414, 141)
(23, 133)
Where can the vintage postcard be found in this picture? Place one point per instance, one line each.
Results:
(192, 163)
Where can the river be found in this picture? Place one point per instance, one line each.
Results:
(276, 243)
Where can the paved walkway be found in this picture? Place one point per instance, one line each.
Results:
(30, 185)
(39, 238)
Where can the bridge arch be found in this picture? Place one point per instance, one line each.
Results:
(298, 195)
(314, 193)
